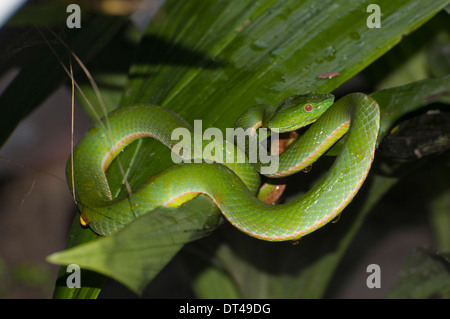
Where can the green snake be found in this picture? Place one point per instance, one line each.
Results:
(232, 186)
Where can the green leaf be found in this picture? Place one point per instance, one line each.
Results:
(417, 57)
(109, 70)
(92, 282)
(426, 274)
(396, 102)
(211, 61)
(215, 283)
(138, 252)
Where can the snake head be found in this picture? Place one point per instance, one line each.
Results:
(297, 111)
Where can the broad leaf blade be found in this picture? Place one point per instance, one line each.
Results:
(398, 101)
(218, 58)
(212, 60)
(92, 282)
(137, 253)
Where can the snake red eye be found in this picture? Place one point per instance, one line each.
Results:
(308, 107)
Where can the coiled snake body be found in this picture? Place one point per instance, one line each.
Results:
(232, 186)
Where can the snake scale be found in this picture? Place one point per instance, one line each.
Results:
(233, 186)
